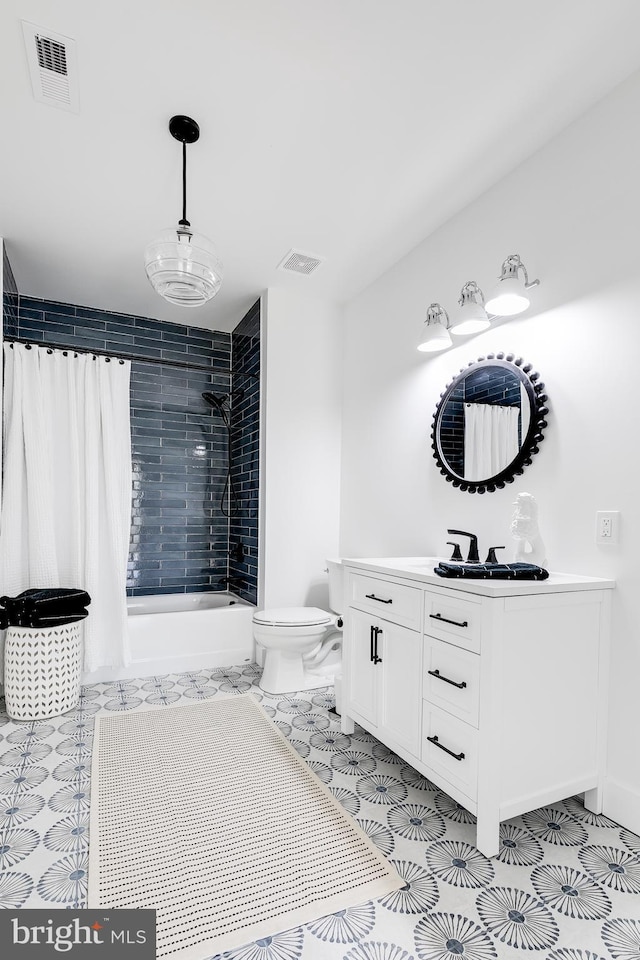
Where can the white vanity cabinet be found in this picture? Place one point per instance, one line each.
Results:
(376, 683)
(495, 690)
(385, 658)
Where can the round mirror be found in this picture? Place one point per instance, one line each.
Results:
(489, 422)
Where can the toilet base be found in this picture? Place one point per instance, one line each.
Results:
(284, 672)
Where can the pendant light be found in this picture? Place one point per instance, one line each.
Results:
(435, 334)
(472, 316)
(182, 265)
(509, 297)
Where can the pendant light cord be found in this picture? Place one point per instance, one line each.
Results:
(184, 222)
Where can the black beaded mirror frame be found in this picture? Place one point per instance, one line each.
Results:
(537, 400)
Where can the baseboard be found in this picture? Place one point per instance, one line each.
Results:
(622, 804)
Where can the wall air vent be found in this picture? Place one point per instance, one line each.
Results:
(298, 262)
(52, 66)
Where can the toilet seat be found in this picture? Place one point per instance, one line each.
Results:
(293, 617)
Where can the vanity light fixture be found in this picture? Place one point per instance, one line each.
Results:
(509, 298)
(182, 265)
(435, 333)
(472, 316)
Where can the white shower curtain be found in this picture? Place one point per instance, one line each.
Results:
(66, 504)
(490, 439)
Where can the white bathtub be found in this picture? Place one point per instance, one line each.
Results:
(173, 633)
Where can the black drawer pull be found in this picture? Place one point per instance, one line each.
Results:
(456, 623)
(372, 596)
(438, 675)
(434, 740)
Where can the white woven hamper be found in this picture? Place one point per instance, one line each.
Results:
(41, 671)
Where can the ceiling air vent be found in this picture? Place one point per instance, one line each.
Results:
(52, 66)
(298, 262)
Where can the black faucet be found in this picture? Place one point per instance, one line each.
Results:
(456, 555)
(473, 556)
(491, 556)
(232, 582)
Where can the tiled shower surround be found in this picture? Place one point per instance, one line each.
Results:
(245, 421)
(179, 535)
(9, 289)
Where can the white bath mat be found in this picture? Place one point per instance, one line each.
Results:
(207, 814)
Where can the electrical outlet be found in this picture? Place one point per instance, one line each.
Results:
(607, 526)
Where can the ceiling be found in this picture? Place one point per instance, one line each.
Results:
(347, 128)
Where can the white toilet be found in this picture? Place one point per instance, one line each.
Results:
(302, 645)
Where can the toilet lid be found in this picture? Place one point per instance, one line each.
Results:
(293, 617)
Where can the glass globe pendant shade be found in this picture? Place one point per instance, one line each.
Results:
(183, 266)
(509, 298)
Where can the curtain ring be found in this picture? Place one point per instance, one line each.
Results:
(75, 355)
(122, 363)
(94, 357)
(108, 359)
(49, 350)
(28, 346)
(65, 353)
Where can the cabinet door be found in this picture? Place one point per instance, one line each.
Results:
(400, 708)
(362, 673)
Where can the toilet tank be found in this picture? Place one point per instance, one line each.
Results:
(336, 590)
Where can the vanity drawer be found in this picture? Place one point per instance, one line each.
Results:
(454, 619)
(388, 599)
(451, 679)
(450, 748)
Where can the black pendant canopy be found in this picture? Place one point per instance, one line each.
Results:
(184, 129)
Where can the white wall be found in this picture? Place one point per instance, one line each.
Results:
(301, 439)
(573, 213)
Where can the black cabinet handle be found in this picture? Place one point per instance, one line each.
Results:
(376, 658)
(373, 644)
(438, 675)
(434, 740)
(456, 623)
(372, 596)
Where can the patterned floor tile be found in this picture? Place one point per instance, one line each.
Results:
(565, 885)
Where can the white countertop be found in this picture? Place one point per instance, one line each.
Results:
(421, 569)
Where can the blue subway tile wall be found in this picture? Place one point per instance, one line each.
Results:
(9, 293)
(179, 538)
(245, 471)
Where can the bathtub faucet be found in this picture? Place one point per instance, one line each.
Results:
(237, 582)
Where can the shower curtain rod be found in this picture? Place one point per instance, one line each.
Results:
(182, 364)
